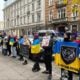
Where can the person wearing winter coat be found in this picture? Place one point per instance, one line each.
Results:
(36, 42)
(48, 54)
(26, 42)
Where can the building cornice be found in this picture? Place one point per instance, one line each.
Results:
(5, 7)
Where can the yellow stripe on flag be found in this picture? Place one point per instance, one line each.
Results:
(75, 2)
(65, 1)
(35, 49)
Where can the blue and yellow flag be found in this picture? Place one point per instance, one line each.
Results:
(35, 49)
(75, 2)
(67, 56)
(65, 1)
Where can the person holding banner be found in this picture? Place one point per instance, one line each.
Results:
(25, 49)
(35, 50)
(67, 38)
(47, 44)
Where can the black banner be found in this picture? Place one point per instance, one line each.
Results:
(24, 50)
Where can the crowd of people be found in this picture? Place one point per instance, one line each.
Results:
(12, 46)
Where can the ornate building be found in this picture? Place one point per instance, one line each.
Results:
(60, 14)
(24, 16)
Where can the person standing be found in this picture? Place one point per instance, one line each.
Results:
(36, 53)
(67, 38)
(8, 46)
(20, 42)
(4, 46)
(27, 44)
(48, 54)
(13, 44)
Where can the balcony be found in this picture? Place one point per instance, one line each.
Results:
(61, 4)
(75, 18)
(60, 20)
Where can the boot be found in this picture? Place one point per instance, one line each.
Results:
(25, 62)
(36, 68)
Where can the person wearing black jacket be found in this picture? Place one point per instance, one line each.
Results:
(48, 57)
(67, 38)
(8, 46)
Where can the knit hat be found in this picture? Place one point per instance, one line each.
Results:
(36, 35)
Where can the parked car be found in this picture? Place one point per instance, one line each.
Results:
(49, 32)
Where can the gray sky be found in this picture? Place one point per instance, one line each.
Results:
(1, 9)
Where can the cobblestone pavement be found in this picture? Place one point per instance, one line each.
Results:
(12, 69)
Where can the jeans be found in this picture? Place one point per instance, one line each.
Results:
(13, 50)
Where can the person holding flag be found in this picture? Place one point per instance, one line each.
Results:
(35, 50)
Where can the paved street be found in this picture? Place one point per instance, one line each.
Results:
(12, 69)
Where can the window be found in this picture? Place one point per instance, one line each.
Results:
(50, 2)
(62, 13)
(25, 9)
(38, 4)
(20, 20)
(26, 1)
(75, 12)
(32, 0)
(50, 15)
(32, 6)
(28, 18)
(28, 7)
(25, 20)
(33, 18)
(60, 1)
(38, 16)
(22, 2)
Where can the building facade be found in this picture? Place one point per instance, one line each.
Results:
(1, 25)
(62, 14)
(24, 16)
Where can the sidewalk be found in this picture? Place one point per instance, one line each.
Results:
(12, 69)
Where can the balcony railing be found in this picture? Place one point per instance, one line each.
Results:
(60, 4)
(60, 20)
(75, 18)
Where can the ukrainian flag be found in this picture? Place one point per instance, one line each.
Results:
(75, 8)
(73, 66)
(65, 1)
(35, 47)
(75, 2)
